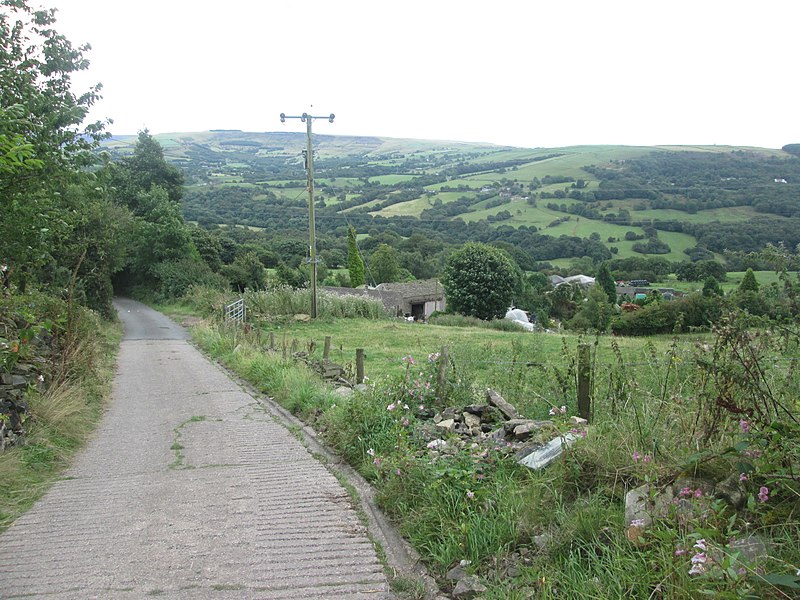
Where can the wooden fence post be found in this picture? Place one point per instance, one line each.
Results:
(326, 350)
(359, 365)
(293, 349)
(584, 381)
(441, 378)
(272, 340)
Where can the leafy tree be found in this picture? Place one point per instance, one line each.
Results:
(384, 266)
(749, 283)
(246, 272)
(711, 287)
(355, 263)
(607, 283)
(595, 312)
(480, 281)
(43, 141)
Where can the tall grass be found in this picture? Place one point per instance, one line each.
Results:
(279, 301)
(561, 532)
(61, 417)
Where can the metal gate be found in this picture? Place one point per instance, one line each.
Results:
(235, 312)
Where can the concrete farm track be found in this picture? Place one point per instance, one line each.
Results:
(189, 489)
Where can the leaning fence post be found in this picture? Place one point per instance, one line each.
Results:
(441, 378)
(584, 381)
(326, 350)
(359, 365)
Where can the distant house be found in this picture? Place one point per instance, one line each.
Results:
(416, 299)
(419, 298)
(582, 280)
(392, 302)
(632, 292)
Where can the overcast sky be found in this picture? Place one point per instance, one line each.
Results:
(526, 73)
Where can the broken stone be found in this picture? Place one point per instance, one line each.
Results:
(471, 420)
(643, 505)
(437, 418)
(476, 409)
(543, 456)
(498, 401)
(542, 541)
(524, 431)
(343, 392)
(303, 318)
(731, 491)
(361, 387)
(578, 421)
(468, 587)
(457, 573)
(752, 548)
(446, 424)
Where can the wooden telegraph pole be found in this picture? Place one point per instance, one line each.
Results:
(312, 239)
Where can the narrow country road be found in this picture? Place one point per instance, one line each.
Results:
(190, 490)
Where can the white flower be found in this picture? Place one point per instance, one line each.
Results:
(41, 378)
(371, 452)
(436, 444)
(701, 544)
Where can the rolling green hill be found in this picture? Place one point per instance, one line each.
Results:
(662, 200)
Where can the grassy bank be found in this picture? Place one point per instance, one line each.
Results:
(662, 411)
(61, 416)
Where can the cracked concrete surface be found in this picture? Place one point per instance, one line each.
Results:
(188, 490)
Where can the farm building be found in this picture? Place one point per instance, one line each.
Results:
(419, 298)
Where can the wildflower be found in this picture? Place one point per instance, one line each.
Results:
(741, 571)
(436, 444)
(637, 523)
(391, 407)
(647, 458)
(470, 494)
(433, 357)
(409, 360)
(41, 378)
(698, 493)
(697, 569)
(3, 268)
(679, 551)
(405, 406)
(743, 477)
(552, 411)
(398, 472)
(753, 453)
(376, 461)
(563, 410)
(700, 545)
(371, 452)
(744, 426)
(685, 492)
(421, 407)
(405, 422)
(763, 494)
(636, 456)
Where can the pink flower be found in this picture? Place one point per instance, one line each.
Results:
(647, 458)
(679, 551)
(391, 407)
(470, 494)
(409, 360)
(685, 492)
(743, 477)
(698, 493)
(376, 461)
(405, 422)
(744, 426)
(700, 545)
(763, 494)
(636, 456)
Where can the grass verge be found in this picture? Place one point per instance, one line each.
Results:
(61, 419)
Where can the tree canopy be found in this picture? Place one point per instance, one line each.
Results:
(480, 281)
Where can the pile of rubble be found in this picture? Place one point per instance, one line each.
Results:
(496, 424)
